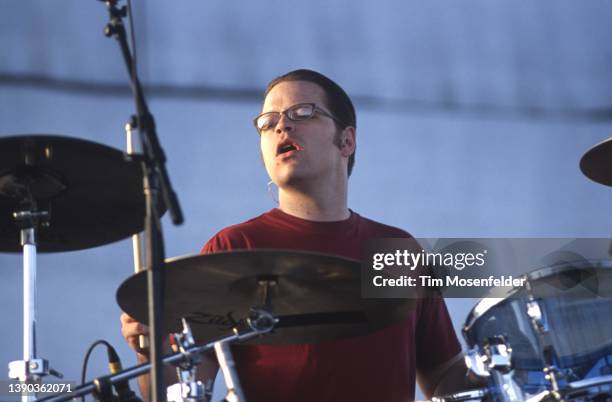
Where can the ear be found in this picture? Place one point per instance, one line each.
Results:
(348, 141)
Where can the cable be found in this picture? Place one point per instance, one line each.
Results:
(86, 360)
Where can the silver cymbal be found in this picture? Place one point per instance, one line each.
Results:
(316, 297)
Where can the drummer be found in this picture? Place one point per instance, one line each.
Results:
(307, 130)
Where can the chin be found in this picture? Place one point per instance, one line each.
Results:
(288, 179)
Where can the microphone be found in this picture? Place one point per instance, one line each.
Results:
(124, 392)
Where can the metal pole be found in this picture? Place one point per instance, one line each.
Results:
(28, 242)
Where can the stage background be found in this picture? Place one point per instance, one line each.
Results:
(472, 118)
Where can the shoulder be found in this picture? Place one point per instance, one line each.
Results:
(378, 229)
(235, 236)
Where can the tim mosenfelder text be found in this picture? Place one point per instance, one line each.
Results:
(424, 259)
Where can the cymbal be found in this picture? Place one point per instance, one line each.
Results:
(92, 193)
(596, 163)
(316, 297)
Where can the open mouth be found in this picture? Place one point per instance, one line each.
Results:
(287, 147)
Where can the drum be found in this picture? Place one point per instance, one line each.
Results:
(552, 334)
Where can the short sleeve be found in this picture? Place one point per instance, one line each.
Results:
(213, 245)
(226, 240)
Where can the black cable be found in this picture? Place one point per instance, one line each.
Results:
(86, 360)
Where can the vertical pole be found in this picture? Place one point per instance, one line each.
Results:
(28, 243)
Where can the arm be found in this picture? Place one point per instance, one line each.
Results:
(445, 378)
(132, 329)
(441, 368)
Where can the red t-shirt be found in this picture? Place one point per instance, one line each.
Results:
(377, 367)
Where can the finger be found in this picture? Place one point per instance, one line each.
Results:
(125, 318)
(134, 329)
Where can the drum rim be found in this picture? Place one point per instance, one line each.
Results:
(471, 393)
(543, 272)
(487, 303)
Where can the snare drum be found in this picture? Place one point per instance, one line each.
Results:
(557, 329)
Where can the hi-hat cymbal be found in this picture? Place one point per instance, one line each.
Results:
(92, 193)
(316, 297)
(596, 163)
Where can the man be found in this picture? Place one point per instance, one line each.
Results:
(308, 140)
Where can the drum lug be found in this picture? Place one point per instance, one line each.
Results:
(498, 354)
(475, 362)
(534, 311)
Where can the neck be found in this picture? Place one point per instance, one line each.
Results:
(324, 204)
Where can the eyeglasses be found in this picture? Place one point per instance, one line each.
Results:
(300, 112)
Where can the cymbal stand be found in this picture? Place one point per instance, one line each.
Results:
(188, 389)
(260, 323)
(228, 368)
(260, 320)
(137, 238)
(31, 369)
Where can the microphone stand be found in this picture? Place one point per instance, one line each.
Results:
(155, 178)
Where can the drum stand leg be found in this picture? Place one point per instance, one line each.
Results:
(30, 369)
(228, 368)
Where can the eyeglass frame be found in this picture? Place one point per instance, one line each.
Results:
(315, 108)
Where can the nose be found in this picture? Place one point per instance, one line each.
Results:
(284, 124)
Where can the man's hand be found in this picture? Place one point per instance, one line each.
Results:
(131, 331)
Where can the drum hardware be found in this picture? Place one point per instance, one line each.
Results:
(475, 363)
(541, 328)
(473, 395)
(498, 354)
(228, 368)
(189, 388)
(137, 238)
(559, 337)
(259, 324)
(592, 389)
(542, 396)
(591, 386)
(19, 187)
(551, 375)
(537, 318)
(499, 364)
(50, 200)
(265, 283)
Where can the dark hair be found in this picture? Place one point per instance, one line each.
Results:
(336, 100)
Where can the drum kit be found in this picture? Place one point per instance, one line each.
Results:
(549, 340)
